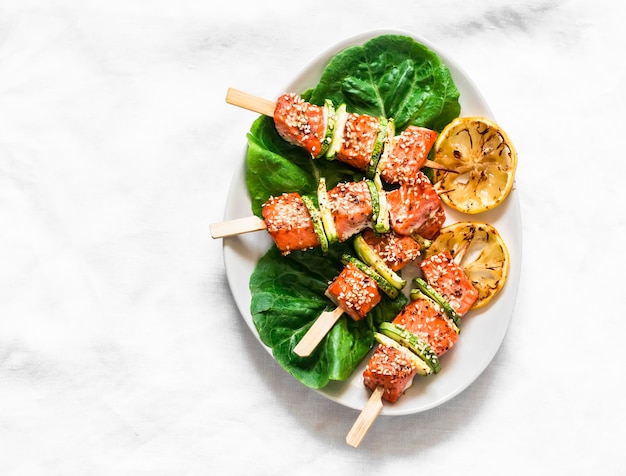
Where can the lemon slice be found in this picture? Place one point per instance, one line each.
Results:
(485, 258)
(485, 161)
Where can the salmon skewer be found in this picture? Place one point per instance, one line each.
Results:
(356, 290)
(412, 209)
(359, 140)
(392, 367)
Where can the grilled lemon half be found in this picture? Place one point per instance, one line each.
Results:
(484, 159)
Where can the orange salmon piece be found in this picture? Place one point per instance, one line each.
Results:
(408, 155)
(359, 137)
(425, 319)
(300, 123)
(354, 292)
(395, 250)
(449, 280)
(351, 206)
(388, 367)
(416, 208)
(289, 223)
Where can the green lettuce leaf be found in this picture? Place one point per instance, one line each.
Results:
(391, 76)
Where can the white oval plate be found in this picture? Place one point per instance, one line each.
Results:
(483, 330)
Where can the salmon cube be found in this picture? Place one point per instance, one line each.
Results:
(351, 207)
(408, 155)
(354, 292)
(395, 250)
(427, 320)
(289, 223)
(300, 123)
(416, 208)
(359, 138)
(389, 368)
(449, 280)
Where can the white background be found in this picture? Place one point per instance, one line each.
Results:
(121, 348)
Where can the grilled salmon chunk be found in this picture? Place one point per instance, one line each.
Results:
(289, 223)
(427, 320)
(389, 368)
(395, 250)
(351, 206)
(354, 292)
(300, 123)
(408, 155)
(449, 280)
(359, 138)
(416, 208)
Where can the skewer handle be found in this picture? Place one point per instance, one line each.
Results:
(317, 331)
(250, 102)
(237, 226)
(370, 412)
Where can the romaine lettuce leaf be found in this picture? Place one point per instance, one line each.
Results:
(391, 76)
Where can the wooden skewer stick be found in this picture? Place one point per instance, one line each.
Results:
(250, 102)
(237, 226)
(317, 331)
(370, 412)
(266, 107)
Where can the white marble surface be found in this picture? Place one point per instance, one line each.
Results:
(121, 348)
